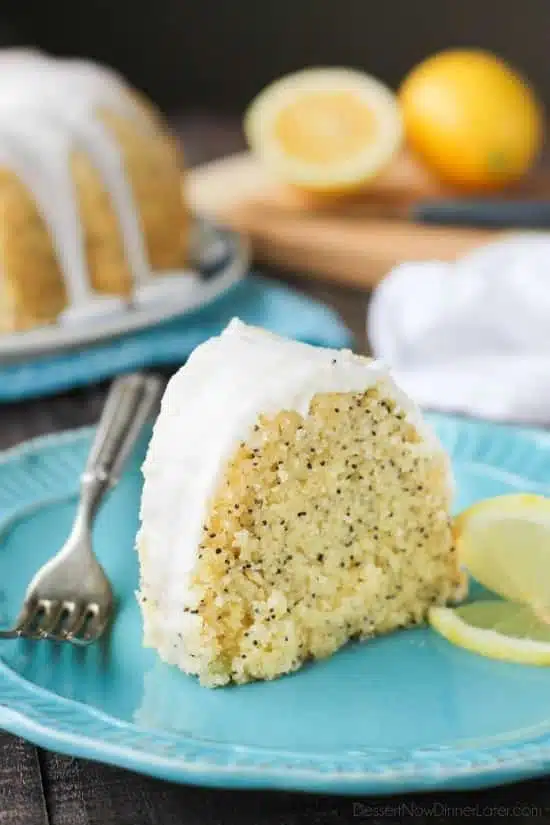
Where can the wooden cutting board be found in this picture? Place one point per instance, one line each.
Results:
(353, 241)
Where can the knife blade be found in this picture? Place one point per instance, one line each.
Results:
(487, 214)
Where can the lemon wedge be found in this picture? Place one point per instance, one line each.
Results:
(326, 130)
(504, 543)
(499, 630)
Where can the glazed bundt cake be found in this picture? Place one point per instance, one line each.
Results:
(90, 190)
(293, 499)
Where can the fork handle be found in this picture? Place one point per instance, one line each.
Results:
(129, 404)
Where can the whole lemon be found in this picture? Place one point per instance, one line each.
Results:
(472, 118)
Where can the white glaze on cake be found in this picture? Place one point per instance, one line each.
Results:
(209, 406)
(48, 109)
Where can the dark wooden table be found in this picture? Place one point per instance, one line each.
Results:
(41, 788)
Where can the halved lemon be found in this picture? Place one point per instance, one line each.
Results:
(327, 130)
(499, 630)
(504, 542)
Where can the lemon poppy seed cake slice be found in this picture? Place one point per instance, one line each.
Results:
(293, 499)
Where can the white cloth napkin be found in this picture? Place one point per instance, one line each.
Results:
(474, 336)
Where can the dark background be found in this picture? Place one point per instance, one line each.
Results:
(215, 54)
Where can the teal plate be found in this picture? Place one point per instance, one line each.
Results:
(405, 712)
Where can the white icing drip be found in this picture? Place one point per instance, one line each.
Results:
(48, 108)
(104, 153)
(209, 406)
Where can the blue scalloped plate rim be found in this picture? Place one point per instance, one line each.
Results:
(45, 471)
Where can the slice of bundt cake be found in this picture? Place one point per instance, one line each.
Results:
(294, 499)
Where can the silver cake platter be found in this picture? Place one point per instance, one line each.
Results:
(219, 259)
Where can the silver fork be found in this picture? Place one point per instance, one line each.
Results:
(70, 598)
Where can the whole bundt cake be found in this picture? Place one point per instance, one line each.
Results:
(90, 191)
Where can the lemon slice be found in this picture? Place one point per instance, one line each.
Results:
(499, 630)
(504, 542)
(325, 130)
